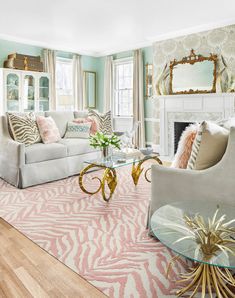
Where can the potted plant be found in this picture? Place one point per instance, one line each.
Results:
(102, 141)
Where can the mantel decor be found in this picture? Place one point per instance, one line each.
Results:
(193, 74)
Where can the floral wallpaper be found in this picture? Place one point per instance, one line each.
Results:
(219, 41)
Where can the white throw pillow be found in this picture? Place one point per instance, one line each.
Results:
(78, 130)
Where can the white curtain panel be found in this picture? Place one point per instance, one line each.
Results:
(79, 103)
(49, 58)
(108, 83)
(138, 98)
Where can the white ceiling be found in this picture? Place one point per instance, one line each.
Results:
(102, 27)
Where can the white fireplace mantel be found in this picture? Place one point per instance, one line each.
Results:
(190, 108)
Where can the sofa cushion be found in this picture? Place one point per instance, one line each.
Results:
(61, 119)
(42, 152)
(77, 146)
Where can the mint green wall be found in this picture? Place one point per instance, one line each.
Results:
(147, 58)
(8, 47)
(88, 63)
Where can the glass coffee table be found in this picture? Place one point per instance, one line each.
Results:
(109, 178)
(204, 233)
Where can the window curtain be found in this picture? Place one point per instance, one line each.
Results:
(79, 103)
(108, 83)
(138, 98)
(49, 58)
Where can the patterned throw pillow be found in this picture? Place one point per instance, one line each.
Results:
(78, 130)
(93, 129)
(48, 130)
(24, 128)
(104, 121)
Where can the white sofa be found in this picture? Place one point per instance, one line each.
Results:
(24, 166)
(215, 184)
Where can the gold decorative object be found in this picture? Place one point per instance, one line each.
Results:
(212, 237)
(148, 80)
(109, 178)
(192, 59)
(137, 169)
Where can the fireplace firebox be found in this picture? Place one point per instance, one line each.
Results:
(179, 127)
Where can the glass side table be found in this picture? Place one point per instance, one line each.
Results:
(204, 233)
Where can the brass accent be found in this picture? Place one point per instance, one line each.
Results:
(109, 178)
(211, 237)
(148, 80)
(137, 169)
(207, 277)
(191, 59)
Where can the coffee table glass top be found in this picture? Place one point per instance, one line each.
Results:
(116, 162)
(171, 227)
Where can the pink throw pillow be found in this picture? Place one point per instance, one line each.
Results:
(48, 130)
(94, 127)
(185, 147)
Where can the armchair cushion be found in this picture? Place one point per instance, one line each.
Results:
(209, 146)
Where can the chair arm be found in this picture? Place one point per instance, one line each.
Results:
(170, 185)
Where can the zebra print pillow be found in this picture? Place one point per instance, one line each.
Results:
(24, 128)
(104, 121)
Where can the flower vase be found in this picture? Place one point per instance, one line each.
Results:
(105, 153)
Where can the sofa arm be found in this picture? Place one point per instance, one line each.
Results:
(12, 152)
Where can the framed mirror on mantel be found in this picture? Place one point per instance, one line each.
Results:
(193, 74)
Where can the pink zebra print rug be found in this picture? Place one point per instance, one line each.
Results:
(106, 243)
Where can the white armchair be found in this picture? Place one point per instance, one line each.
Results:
(215, 184)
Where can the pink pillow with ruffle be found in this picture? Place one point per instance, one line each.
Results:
(185, 147)
(48, 130)
(94, 127)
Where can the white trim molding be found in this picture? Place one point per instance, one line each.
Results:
(190, 108)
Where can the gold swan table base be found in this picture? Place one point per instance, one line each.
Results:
(109, 178)
(208, 279)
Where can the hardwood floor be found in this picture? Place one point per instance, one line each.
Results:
(26, 270)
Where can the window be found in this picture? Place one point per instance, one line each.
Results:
(123, 88)
(64, 83)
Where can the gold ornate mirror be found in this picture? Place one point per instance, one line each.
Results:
(193, 74)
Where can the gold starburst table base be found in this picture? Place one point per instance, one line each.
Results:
(208, 279)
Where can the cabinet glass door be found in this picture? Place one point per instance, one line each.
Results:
(12, 92)
(28, 93)
(44, 94)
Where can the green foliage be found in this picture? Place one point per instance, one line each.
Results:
(99, 140)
